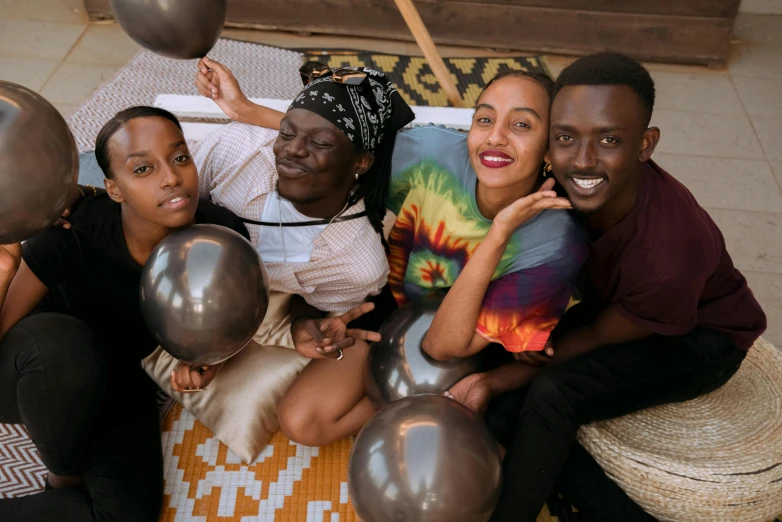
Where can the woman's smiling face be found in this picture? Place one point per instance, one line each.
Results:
(509, 133)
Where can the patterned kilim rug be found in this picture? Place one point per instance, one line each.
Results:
(205, 481)
(415, 79)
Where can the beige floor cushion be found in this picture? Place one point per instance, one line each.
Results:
(240, 404)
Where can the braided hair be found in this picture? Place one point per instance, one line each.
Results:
(372, 187)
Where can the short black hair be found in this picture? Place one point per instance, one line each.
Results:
(609, 69)
(543, 79)
(116, 123)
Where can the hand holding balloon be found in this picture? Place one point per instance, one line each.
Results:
(216, 81)
(320, 338)
(187, 378)
(473, 391)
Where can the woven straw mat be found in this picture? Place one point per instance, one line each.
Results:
(717, 458)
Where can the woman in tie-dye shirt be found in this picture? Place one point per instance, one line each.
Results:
(463, 209)
(434, 193)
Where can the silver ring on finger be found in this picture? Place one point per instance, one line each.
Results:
(341, 355)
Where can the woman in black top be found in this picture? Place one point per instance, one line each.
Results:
(72, 335)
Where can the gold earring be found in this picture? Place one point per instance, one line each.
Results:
(547, 169)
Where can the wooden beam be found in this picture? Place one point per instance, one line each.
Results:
(424, 41)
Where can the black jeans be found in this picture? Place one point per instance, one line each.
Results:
(85, 417)
(538, 424)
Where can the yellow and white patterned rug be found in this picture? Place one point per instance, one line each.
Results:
(206, 482)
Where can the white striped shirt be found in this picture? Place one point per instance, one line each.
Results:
(348, 263)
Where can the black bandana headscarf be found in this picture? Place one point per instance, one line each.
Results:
(366, 113)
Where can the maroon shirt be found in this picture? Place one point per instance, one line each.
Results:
(666, 266)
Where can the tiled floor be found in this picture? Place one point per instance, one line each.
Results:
(720, 128)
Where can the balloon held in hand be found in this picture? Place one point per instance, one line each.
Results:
(183, 29)
(398, 367)
(204, 293)
(39, 163)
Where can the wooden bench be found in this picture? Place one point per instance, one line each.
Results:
(691, 31)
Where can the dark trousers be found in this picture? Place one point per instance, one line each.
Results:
(538, 424)
(86, 417)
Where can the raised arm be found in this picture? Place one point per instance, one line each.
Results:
(453, 331)
(216, 81)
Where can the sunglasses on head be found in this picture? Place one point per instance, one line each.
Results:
(344, 75)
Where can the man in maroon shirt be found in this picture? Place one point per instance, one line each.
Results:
(665, 315)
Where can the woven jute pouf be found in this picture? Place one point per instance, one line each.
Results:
(715, 458)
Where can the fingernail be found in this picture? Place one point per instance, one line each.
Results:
(173, 372)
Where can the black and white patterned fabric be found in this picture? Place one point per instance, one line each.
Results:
(366, 113)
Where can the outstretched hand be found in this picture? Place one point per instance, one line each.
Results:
(216, 81)
(473, 391)
(320, 338)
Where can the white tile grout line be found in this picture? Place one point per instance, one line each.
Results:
(86, 28)
(760, 272)
(755, 131)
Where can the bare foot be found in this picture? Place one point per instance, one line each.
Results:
(63, 481)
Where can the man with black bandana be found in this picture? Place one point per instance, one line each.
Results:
(313, 198)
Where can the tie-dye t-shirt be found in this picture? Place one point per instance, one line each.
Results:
(439, 226)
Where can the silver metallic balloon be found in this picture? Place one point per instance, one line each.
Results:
(398, 367)
(39, 163)
(204, 293)
(182, 29)
(425, 459)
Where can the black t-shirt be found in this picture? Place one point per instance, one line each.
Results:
(92, 276)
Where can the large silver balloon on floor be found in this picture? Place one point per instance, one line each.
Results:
(398, 367)
(204, 293)
(424, 459)
(182, 29)
(39, 163)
